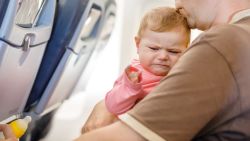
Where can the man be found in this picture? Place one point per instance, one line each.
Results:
(206, 96)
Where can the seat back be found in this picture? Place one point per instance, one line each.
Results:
(3, 6)
(76, 40)
(24, 32)
(68, 15)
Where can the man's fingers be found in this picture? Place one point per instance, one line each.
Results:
(7, 131)
(92, 126)
(87, 127)
(83, 130)
(10, 139)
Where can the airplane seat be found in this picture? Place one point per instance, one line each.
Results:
(24, 32)
(3, 7)
(68, 15)
(74, 38)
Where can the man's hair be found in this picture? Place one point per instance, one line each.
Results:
(163, 19)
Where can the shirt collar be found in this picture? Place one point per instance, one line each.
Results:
(240, 15)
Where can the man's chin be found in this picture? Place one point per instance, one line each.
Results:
(191, 25)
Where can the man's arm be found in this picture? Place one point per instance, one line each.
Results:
(99, 117)
(117, 131)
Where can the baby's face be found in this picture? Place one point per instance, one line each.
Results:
(159, 51)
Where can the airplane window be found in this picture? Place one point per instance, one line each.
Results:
(28, 12)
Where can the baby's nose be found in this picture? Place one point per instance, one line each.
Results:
(163, 55)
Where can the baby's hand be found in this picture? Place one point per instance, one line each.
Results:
(133, 74)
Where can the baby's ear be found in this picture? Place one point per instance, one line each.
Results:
(137, 41)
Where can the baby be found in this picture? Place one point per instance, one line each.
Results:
(162, 38)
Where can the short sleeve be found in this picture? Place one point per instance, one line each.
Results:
(192, 94)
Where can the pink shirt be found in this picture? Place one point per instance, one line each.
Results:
(125, 94)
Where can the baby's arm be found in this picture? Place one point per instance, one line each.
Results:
(99, 117)
(125, 93)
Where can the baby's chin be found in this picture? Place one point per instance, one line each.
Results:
(160, 73)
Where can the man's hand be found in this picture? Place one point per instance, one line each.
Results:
(99, 117)
(8, 134)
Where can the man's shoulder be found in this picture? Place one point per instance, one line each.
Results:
(223, 31)
(217, 33)
(221, 37)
